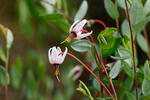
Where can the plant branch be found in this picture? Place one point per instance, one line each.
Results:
(136, 82)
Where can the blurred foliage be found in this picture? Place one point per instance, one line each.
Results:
(45, 23)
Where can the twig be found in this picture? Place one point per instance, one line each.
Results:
(136, 82)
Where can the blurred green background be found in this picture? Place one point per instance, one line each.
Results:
(31, 75)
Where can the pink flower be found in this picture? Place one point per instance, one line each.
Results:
(75, 30)
(75, 72)
(56, 58)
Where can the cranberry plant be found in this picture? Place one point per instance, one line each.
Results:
(111, 59)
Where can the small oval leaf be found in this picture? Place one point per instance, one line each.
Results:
(81, 45)
(111, 9)
(115, 70)
(82, 11)
(146, 87)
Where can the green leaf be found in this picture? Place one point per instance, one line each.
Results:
(24, 18)
(52, 16)
(81, 45)
(125, 28)
(96, 84)
(121, 4)
(123, 52)
(146, 7)
(2, 54)
(111, 9)
(115, 70)
(147, 70)
(136, 12)
(142, 42)
(130, 96)
(146, 87)
(82, 11)
(16, 73)
(119, 58)
(108, 43)
(10, 38)
(2, 76)
(126, 67)
(139, 26)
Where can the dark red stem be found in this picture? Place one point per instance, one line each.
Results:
(136, 82)
(91, 73)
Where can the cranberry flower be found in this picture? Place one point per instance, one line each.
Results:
(76, 30)
(75, 72)
(56, 59)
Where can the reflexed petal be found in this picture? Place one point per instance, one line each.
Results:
(80, 25)
(59, 50)
(71, 28)
(84, 35)
(49, 56)
(64, 55)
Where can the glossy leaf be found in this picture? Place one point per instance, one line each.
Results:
(147, 70)
(147, 7)
(139, 26)
(123, 52)
(146, 87)
(107, 42)
(10, 38)
(2, 54)
(142, 42)
(111, 9)
(115, 70)
(136, 12)
(121, 4)
(81, 45)
(96, 84)
(2, 76)
(82, 11)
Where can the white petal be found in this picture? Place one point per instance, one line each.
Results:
(59, 50)
(80, 25)
(49, 56)
(84, 35)
(63, 57)
(71, 28)
(54, 55)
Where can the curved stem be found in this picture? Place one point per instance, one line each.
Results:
(136, 82)
(91, 73)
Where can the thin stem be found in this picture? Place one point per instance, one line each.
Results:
(91, 73)
(117, 21)
(100, 22)
(101, 63)
(147, 40)
(136, 82)
(6, 70)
